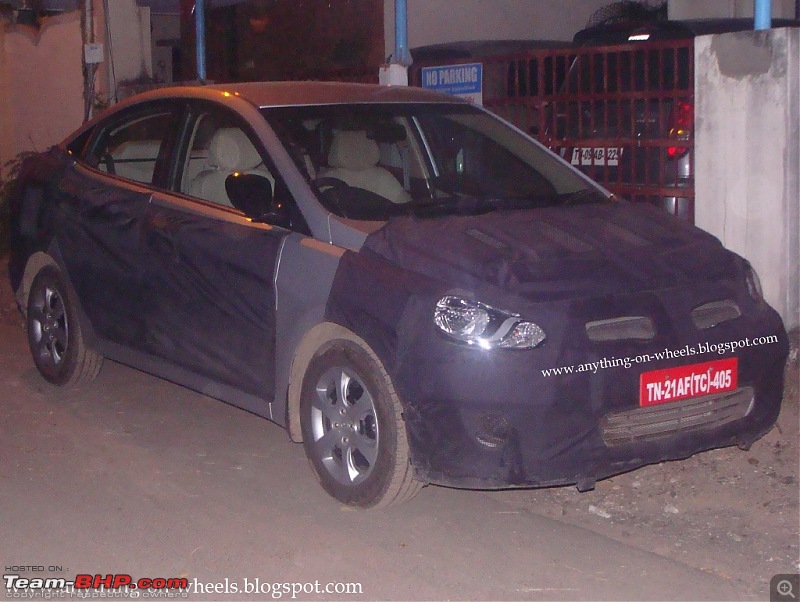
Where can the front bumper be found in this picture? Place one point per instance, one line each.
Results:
(478, 422)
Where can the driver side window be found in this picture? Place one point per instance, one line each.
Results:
(219, 147)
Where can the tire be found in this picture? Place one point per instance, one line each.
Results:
(54, 333)
(353, 431)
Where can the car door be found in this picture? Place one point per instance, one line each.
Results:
(208, 293)
(102, 200)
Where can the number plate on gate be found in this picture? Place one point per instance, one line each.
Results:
(683, 382)
(596, 156)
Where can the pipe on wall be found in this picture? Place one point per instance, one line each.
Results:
(763, 14)
(200, 37)
(401, 54)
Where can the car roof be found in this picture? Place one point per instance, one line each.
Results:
(265, 94)
(280, 94)
(613, 33)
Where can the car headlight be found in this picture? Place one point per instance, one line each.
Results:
(478, 324)
(754, 285)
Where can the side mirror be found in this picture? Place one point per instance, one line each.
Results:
(252, 194)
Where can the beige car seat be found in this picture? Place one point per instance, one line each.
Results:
(135, 160)
(353, 158)
(230, 151)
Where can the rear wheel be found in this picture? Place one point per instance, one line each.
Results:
(54, 334)
(353, 431)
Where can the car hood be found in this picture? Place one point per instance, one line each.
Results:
(557, 253)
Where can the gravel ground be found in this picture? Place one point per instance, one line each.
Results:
(730, 512)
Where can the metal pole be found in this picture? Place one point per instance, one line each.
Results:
(763, 14)
(200, 37)
(88, 22)
(89, 69)
(401, 54)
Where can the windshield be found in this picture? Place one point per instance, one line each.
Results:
(374, 161)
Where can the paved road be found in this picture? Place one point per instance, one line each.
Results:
(131, 474)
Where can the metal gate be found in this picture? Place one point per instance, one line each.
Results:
(624, 114)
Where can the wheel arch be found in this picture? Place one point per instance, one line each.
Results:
(35, 264)
(315, 340)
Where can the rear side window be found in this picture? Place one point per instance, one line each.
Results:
(130, 147)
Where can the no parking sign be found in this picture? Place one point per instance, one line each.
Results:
(465, 81)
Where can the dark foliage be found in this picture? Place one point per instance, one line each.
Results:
(629, 10)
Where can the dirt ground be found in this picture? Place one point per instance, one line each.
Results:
(730, 512)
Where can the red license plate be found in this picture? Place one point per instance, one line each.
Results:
(683, 382)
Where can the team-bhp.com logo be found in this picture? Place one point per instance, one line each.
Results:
(89, 582)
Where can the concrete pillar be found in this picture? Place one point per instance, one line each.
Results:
(747, 154)
(129, 43)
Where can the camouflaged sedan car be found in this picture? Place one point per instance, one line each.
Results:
(416, 290)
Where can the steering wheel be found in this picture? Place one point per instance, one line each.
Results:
(332, 188)
(327, 183)
(354, 202)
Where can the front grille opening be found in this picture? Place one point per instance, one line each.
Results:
(639, 328)
(653, 422)
(709, 315)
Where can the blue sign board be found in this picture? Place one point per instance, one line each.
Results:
(465, 81)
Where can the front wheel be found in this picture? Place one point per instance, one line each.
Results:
(353, 431)
(54, 334)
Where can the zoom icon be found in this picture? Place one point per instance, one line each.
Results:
(784, 588)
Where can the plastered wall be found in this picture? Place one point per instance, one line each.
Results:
(41, 77)
(41, 85)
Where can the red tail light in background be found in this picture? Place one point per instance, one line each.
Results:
(681, 123)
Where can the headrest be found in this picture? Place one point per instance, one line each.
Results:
(137, 149)
(353, 150)
(231, 150)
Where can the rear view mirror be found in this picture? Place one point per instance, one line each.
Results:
(387, 132)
